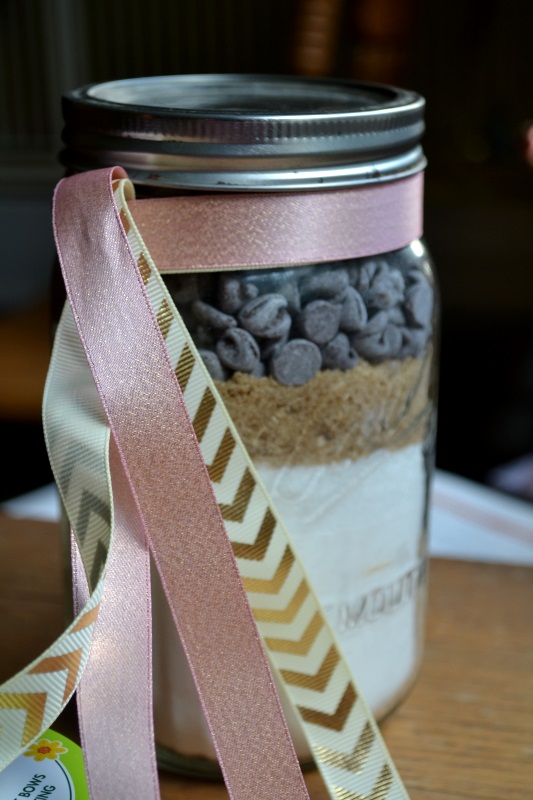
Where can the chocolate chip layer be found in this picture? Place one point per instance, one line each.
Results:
(289, 323)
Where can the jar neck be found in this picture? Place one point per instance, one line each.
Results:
(171, 172)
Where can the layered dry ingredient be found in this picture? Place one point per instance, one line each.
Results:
(335, 416)
(320, 363)
(326, 371)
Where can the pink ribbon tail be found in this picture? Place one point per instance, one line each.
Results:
(115, 694)
(154, 436)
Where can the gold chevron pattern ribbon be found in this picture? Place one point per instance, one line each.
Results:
(34, 698)
(339, 727)
(77, 434)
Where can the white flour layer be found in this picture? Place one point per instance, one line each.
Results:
(357, 528)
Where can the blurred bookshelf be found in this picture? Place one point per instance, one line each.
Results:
(469, 59)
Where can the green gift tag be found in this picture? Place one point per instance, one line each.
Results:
(50, 769)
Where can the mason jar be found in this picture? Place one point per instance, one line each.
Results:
(328, 366)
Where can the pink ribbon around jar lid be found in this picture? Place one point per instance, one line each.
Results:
(242, 231)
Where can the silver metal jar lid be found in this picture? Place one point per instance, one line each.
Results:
(245, 132)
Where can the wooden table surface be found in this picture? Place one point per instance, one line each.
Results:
(464, 732)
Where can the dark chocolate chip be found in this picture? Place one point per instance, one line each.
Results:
(238, 350)
(296, 362)
(363, 276)
(270, 346)
(339, 354)
(418, 304)
(382, 293)
(353, 312)
(396, 316)
(377, 323)
(211, 316)
(413, 342)
(381, 286)
(397, 280)
(319, 321)
(379, 346)
(259, 371)
(325, 284)
(290, 291)
(233, 293)
(266, 316)
(203, 336)
(213, 365)
(352, 268)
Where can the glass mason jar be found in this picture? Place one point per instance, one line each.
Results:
(327, 369)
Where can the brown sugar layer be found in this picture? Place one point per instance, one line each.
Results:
(335, 416)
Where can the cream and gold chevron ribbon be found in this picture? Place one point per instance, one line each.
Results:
(34, 698)
(306, 658)
(77, 435)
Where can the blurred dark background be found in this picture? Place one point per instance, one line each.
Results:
(471, 59)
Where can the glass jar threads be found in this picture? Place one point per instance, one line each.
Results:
(311, 299)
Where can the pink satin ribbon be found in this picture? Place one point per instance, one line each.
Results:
(114, 697)
(154, 436)
(232, 231)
